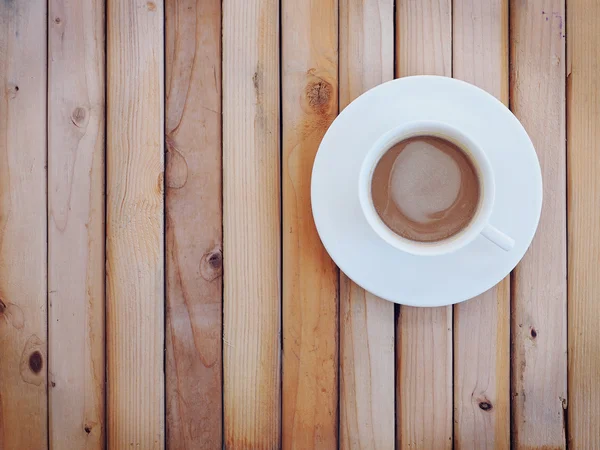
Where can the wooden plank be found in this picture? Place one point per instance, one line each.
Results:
(76, 121)
(23, 285)
(193, 225)
(539, 319)
(423, 37)
(424, 335)
(135, 231)
(367, 408)
(310, 278)
(481, 371)
(481, 325)
(424, 384)
(583, 162)
(251, 225)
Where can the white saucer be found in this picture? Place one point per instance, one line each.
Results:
(425, 280)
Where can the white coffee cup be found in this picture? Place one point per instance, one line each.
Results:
(479, 225)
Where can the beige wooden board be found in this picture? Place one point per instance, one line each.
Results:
(424, 378)
(423, 37)
(367, 378)
(310, 279)
(193, 225)
(76, 121)
(482, 325)
(251, 225)
(424, 335)
(23, 325)
(481, 371)
(367, 410)
(583, 162)
(135, 232)
(539, 303)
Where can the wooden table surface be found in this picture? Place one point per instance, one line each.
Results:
(162, 284)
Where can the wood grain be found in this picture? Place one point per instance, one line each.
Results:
(482, 325)
(424, 378)
(367, 407)
(423, 37)
(76, 228)
(194, 261)
(310, 278)
(251, 225)
(539, 319)
(23, 287)
(135, 231)
(424, 335)
(583, 162)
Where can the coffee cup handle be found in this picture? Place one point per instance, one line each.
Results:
(498, 237)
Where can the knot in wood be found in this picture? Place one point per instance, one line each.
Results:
(211, 266)
(533, 333)
(36, 362)
(486, 406)
(215, 260)
(13, 89)
(78, 116)
(318, 94)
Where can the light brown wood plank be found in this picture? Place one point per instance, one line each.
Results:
(135, 231)
(367, 406)
(539, 319)
(423, 37)
(482, 325)
(424, 378)
(251, 225)
(424, 335)
(193, 225)
(310, 279)
(76, 228)
(481, 371)
(23, 287)
(583, 162)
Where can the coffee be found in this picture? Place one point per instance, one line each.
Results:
(425, 189)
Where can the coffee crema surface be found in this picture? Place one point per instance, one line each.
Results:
(425, 189)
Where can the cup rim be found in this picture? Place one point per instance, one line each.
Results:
(467, 145)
